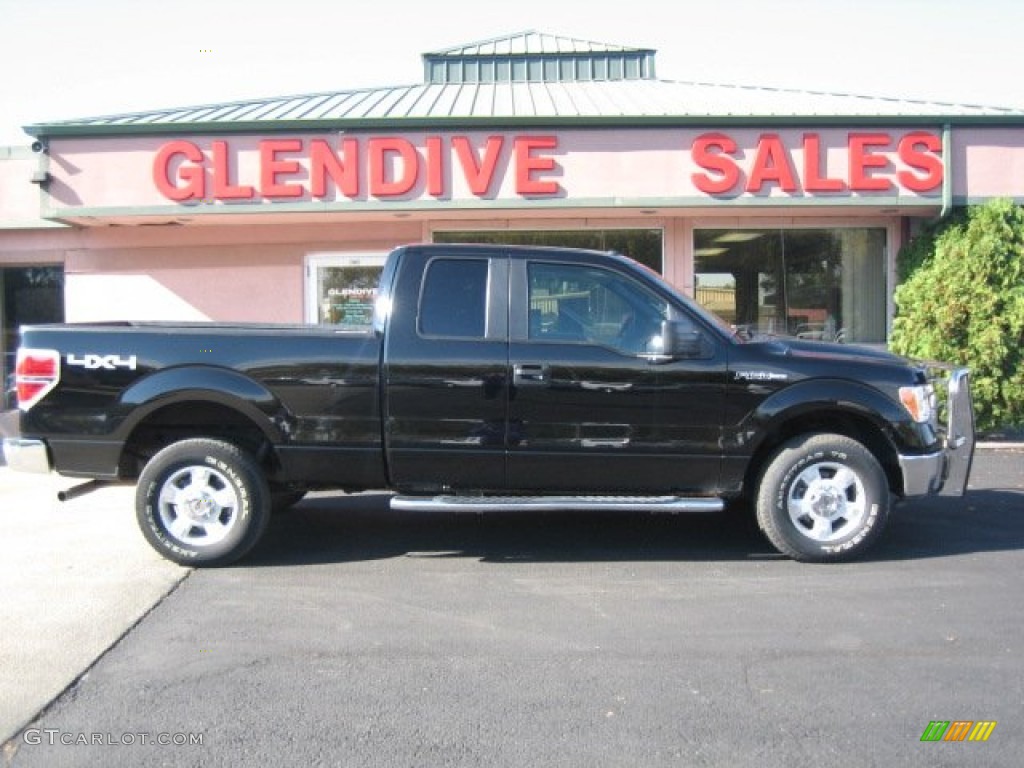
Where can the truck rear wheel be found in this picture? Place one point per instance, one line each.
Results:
(202, 502)
(822, 498)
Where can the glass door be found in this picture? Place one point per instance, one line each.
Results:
(341, 288)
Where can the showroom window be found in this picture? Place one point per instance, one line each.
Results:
(643, 245)
(827, 284)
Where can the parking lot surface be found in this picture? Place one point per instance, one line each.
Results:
(360, 636)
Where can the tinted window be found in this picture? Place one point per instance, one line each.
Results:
(454, 298)
(585, 304)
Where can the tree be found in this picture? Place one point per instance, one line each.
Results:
(964, 303)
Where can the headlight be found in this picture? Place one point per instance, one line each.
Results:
(919, 402)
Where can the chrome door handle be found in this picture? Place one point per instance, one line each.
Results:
(524, 375)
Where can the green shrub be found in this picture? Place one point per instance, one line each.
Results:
(963, 303)
(919, 251)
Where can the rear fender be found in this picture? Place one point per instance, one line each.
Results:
(208, 384)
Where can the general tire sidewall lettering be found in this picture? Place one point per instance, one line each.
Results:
(839, 457)
(173, 544)
(787, 466)
(238, 469)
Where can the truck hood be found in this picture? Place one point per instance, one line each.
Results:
(822, 350)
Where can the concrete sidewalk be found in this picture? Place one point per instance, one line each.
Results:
(74, 577)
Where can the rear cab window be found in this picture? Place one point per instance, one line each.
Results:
(453, 301)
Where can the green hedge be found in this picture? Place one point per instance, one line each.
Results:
(961, 300)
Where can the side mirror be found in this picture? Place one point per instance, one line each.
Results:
(681, 340)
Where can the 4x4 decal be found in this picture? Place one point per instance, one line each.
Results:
(106, 362)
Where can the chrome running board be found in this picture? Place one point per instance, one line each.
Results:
(555, 504)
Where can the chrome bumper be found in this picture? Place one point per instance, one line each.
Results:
(945, 472)
(26, 455)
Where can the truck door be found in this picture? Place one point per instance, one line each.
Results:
(592, 407)
(445, 373)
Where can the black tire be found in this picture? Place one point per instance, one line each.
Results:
(822, 498)
(202, 502)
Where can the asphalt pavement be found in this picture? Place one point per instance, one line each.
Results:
(360, 636)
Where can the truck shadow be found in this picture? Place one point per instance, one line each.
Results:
(989, 520)
(339, 528)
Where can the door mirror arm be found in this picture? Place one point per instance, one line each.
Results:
(679, 341)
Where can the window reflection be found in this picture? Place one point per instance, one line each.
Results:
(573, 303)
(826, 284)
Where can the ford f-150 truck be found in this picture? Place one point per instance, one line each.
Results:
(492, 377)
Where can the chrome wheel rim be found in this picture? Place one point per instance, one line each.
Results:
(827, 501)
(198, 506)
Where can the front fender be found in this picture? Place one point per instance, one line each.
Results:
(210, 384)
(821, 396)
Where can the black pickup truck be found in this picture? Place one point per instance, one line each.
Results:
(492, 378)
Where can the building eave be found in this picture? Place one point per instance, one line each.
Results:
(65, 130)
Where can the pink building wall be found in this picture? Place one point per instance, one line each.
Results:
(251, 273)
(133, 252)
(196, 175)
(20, 199)
(988, 162)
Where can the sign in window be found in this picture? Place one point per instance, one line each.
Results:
(341, 289)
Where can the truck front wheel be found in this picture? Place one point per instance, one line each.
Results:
(822, 498)
(202, 502)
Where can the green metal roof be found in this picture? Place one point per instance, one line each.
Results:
(536, 57)
(531, 42)
(525, 79)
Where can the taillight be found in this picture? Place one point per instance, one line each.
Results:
(36, 372)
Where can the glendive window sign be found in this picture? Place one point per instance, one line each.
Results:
(712, 164)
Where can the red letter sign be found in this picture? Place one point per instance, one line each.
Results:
(343, 171)
(223, 189)
(527, 165)
(771, 164)
(435, 166)
(711, 151)
(479, 175)
(861, 159)
(813, 180)
(382, 151)
(923, 160)
(271, 166)
(190, 170)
